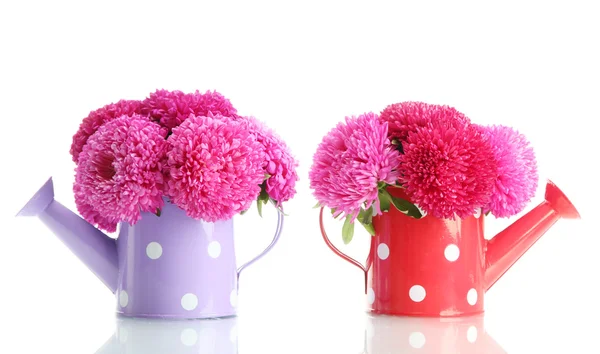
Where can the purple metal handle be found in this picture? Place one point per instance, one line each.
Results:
(269, 247)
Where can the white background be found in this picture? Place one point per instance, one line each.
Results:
(301, 67)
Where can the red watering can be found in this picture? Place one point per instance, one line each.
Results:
(440, 267)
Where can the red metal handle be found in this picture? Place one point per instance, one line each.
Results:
(340, 253)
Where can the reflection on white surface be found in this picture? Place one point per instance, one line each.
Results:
(464, 335)
(144, 336)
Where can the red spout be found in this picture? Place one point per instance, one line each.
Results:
(509, 245)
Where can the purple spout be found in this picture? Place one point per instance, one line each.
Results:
(96, 250)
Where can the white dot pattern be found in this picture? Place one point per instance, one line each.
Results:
(472, 297)
(123, 298)
(370, 296)
(452, 252)
(154, 250)
(472, 334)
(383, 251)
(417, 340)
(417, 293)
(189, 302)
(189, 337)
(214, 249)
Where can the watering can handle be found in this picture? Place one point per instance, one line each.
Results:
(269, 247)
(340, 253)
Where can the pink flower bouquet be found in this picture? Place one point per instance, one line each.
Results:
(448, 166)
(190, 149)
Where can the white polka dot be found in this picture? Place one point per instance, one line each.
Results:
(472, 297)
(452, 252)
(214, 249)
(154, 250)
(417, 340)
(189, 301)
(233, 298)
(477, 213)
(417, 293)
(383, 251)
(472, 334)
(233, 335)
(123, 298)
(370, 296)
(189, 337)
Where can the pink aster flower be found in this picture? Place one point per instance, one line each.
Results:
(171, 108)
(119, 172)
(350, 162)
(214, 167)
(279, 163)
(96, 118)
(88, 212)
(517, 176)
(406, 117)
(448, 169)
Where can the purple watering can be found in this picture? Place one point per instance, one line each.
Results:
(170, 266)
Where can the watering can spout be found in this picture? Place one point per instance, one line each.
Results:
(509, 245)
(95, 249)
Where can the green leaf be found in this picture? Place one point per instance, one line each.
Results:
(278, 207)
(370, 229)
(400, 148)
(366, 216)
(317, 206)
(267, 176)
(259, 204)
(262, 199)
(348, 230)
(158, 212)
(385, 200)
(263, 196)
(398, 144)
(244, 212)
(333, 212)
(406, 207)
